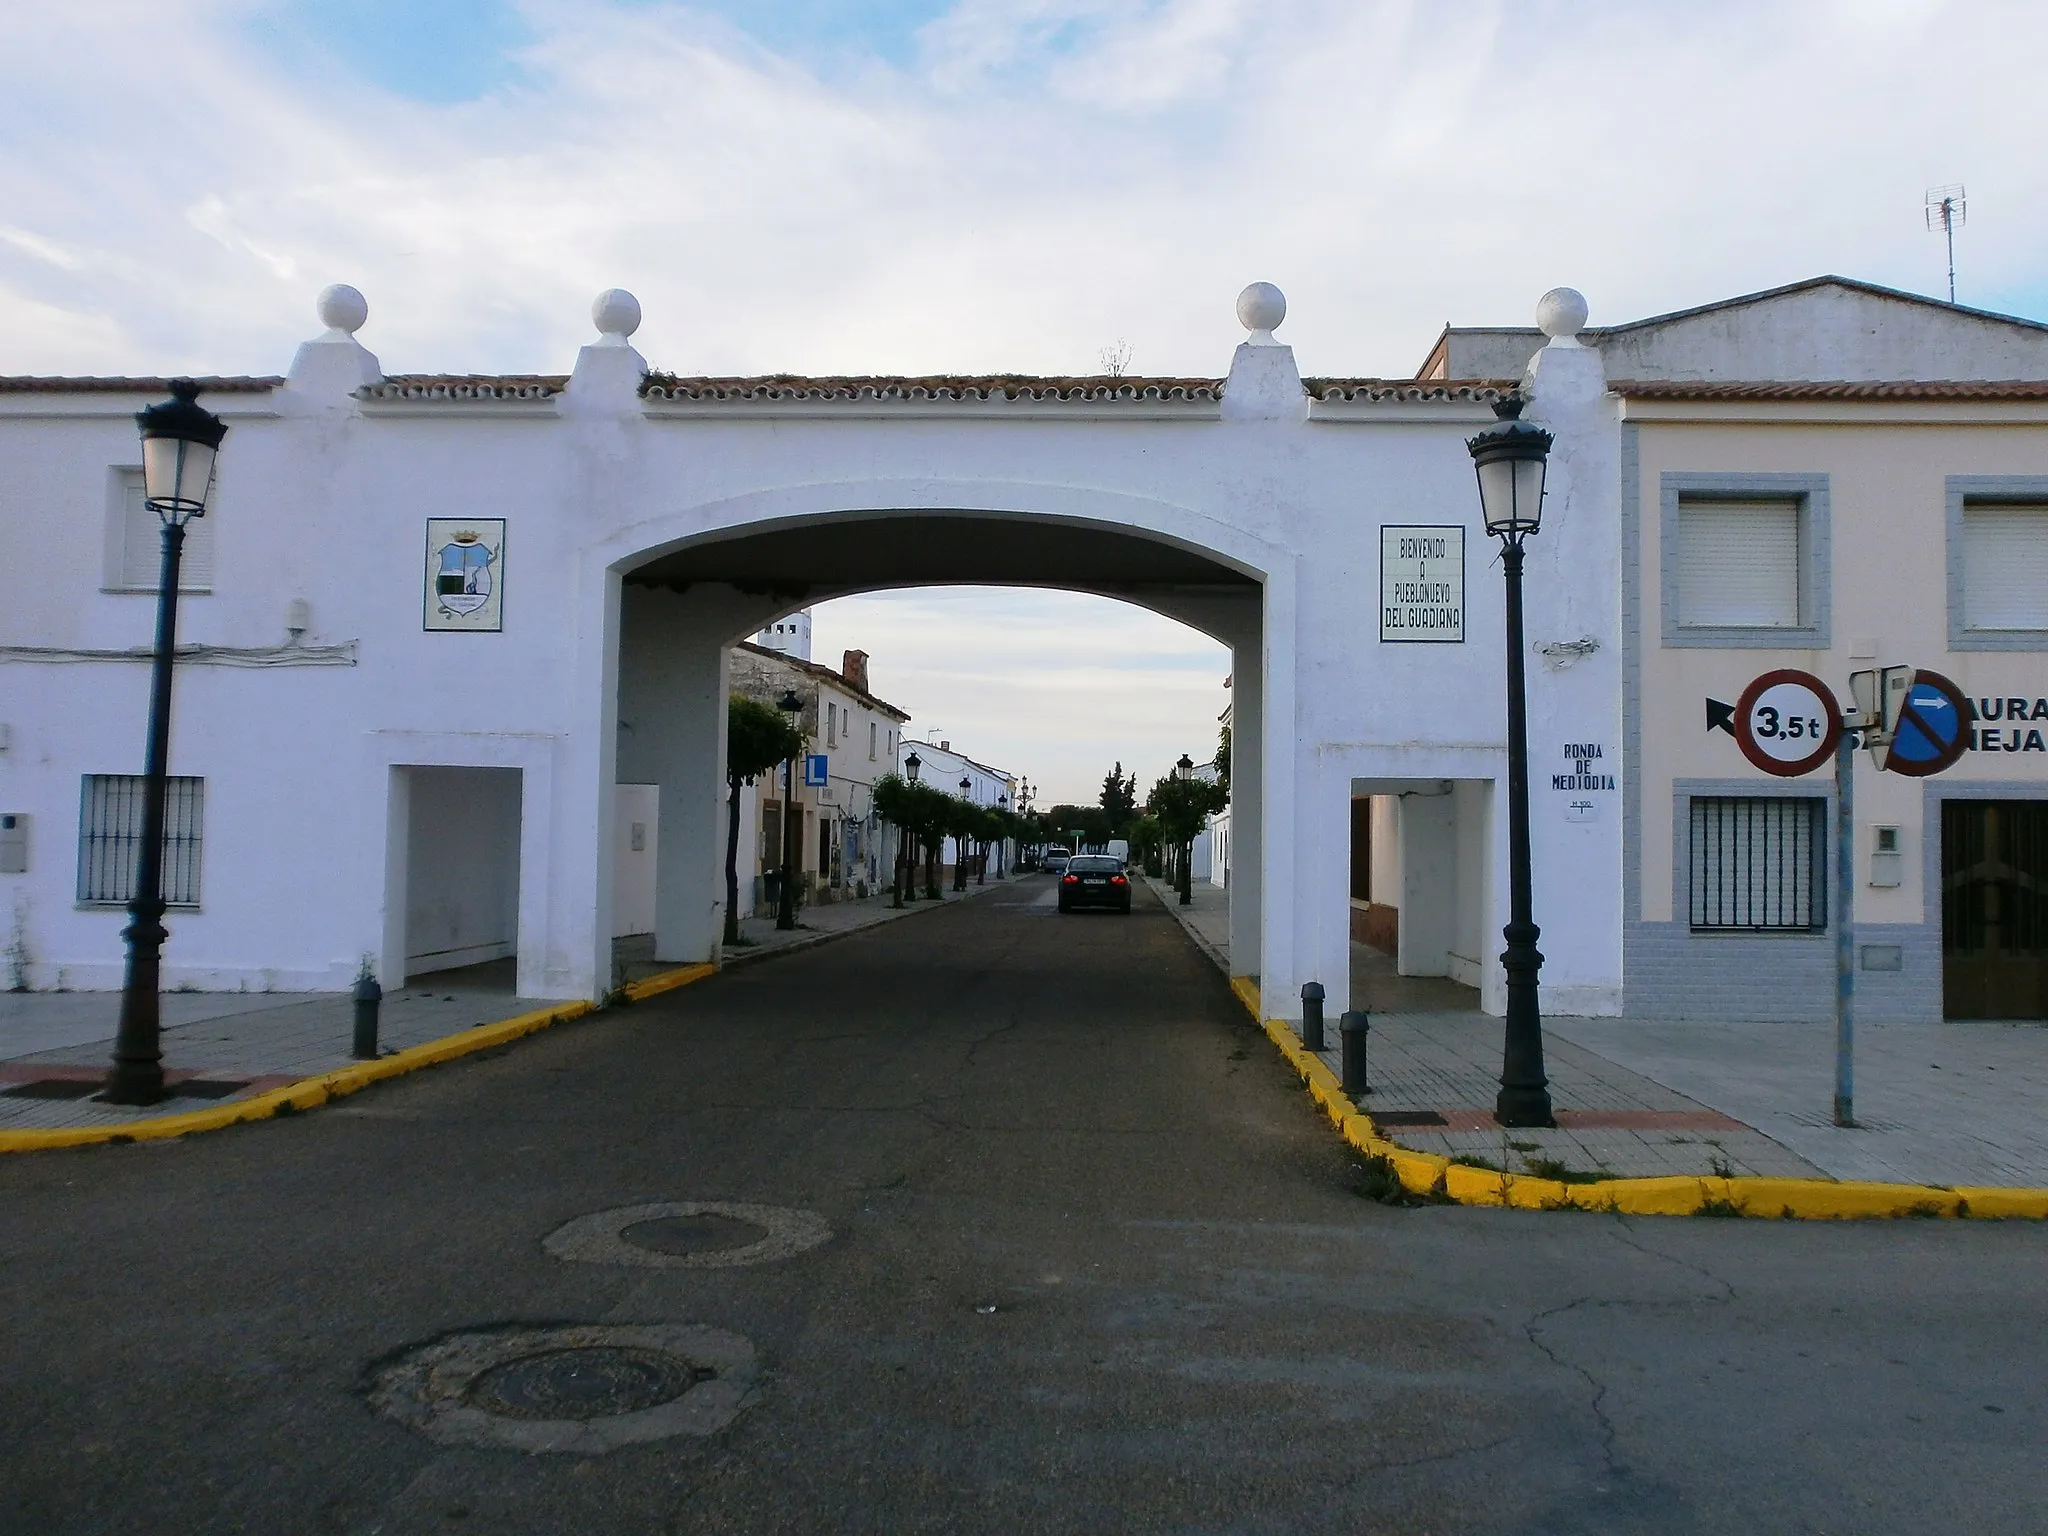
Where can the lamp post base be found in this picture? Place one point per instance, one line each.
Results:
(1524, 1109)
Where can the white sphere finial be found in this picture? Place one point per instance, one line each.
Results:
(1260, 308)
(1561, 315)
(616, 314)
(342, 308)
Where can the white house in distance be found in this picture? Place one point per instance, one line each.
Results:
(423, 606)
(939, 766)
(840, 850)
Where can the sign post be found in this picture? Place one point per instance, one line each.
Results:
(1788, 723)
(1845, 930)
(1915, 722)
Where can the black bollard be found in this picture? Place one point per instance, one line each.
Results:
(1312, 1015)
(1355, 1027)
(368, 996)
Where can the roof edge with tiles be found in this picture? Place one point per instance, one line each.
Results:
(1408, 391)
(1830, 389)
(28, 384)
(921, 388)
(465, 387)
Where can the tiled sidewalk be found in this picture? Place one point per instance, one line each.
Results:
(212, 1039)
(1943, 1104)
(221, 1046)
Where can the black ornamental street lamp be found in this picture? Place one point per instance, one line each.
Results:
(1510, 458)
(1003, 805)
(179, 443)
(960, 843)
(785, 904)
(911, 765)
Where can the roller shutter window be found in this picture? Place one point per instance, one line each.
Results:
(141, 544)
(1758, 864)
(1738, 563)
(2005, 565)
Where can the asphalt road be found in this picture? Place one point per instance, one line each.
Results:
(1096, 1266)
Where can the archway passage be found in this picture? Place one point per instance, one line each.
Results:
(811, 561)
(682, 605)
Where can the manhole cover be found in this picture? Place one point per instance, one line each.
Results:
(688, 1234)
(581, 1388)
(594, 1382)
(705, 1232)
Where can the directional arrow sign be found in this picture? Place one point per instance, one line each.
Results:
(1931, 730)
(1720, 717)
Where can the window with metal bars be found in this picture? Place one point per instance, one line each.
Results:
(110, 835)
(1759, 864)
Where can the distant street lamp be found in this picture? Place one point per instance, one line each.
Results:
(180, 441)
(785, 903)
(960, 842)
(1002, 804)
(1184, 770)
(1510, 458)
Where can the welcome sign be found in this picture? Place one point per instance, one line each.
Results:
(1422, 584)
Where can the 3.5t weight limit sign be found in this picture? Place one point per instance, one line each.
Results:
(1787, 723)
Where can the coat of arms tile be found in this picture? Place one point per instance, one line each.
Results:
(465, 573)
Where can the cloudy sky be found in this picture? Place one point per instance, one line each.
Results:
(917, 185)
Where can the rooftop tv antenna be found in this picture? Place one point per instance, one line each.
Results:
(1948, 210)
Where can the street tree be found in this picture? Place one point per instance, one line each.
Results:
(1119, 798)
(1183, 807)
(757, 739)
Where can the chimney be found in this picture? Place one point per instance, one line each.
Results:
(855, 669)
(945, 746)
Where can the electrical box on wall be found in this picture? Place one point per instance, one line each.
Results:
(1887, 860)
(13, 843)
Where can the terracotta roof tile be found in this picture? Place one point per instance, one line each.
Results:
(1405, 390)
(912, 388)
(832, 675)
(1831, 389)
(466, 386)
(30, 385)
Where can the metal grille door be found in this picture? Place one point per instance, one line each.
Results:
(1994, 909)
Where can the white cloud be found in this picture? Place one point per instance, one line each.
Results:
(1047, 176)
(1050, 175)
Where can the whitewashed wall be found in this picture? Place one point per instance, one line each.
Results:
(324, 496)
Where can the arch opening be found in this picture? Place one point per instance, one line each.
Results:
(684, 602)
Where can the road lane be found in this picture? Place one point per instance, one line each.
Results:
(1096, 1265)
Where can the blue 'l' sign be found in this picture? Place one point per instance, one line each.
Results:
(817, 770)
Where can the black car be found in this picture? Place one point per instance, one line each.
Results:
(1095, 880)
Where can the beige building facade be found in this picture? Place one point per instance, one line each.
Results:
(1830, 477)
(1836, 528)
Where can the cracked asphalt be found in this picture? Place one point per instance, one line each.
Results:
(1097, 1265)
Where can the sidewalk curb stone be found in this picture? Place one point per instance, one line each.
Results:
(1425, 1173)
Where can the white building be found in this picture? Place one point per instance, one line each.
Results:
(939, 766)
(841, 848)
(424, 607)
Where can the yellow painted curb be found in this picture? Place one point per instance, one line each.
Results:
(1425, 1173)
(312, 1092)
